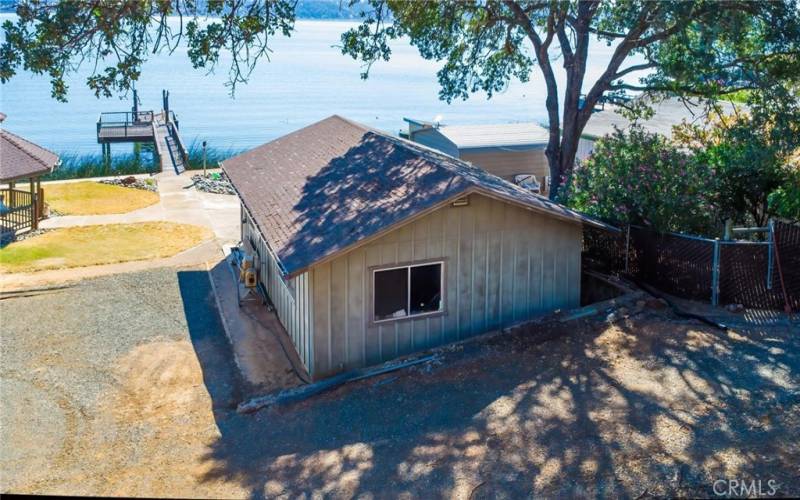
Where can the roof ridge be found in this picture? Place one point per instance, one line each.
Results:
(417, 148)
(11, 136)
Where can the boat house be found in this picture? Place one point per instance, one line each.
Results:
(513, 151)
(370, 246)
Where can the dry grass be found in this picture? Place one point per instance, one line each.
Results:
(101, 244)
(94, 198)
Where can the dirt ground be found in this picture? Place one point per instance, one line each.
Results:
(124, 385)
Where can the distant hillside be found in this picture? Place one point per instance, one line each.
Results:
(306, 9)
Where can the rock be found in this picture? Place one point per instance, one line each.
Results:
(622, 311)
(656, 303)
(218, 184)
(640, 304)
(611, 317)
(130, 181)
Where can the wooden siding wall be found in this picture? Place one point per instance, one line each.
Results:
(503, 265)
(433, 139)
(292, 300)
(507, 164)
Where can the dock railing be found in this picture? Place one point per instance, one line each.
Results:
(123, 119)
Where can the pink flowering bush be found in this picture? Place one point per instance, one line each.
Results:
(641, 178)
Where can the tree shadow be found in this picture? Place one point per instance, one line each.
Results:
(652, 404)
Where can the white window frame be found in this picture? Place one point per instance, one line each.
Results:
(408, 267)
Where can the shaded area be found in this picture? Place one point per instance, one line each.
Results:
(123, 386)
(220, 375)
(652, 405)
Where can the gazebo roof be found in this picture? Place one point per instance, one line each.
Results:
(20, 158)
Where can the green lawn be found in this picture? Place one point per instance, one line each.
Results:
(102, 244)
(94, 198)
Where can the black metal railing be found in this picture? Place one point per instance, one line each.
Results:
(17, 210)
(124, 120)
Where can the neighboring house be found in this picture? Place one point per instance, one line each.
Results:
(371, 246)
(667, 113)
(20, 161)
(511, 150)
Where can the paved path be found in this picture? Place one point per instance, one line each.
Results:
(261, 347)
(179, 202)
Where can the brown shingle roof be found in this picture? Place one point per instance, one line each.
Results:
(323, 188)
(20, 158)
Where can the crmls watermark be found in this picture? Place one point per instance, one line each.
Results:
(746, 488)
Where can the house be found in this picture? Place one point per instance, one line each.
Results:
(666, 114)
(22, 160)
(371, 246)
(513, 151)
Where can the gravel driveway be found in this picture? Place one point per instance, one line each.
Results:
(124, 386)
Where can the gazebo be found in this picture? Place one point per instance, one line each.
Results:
(20, 161)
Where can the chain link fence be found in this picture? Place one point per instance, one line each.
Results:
(762, 275)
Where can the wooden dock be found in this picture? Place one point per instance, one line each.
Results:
(162, 129)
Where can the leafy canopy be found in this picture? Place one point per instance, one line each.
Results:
(751, 152)
(685, 47)
(689, 48)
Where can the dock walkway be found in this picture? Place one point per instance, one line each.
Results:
(146, 126)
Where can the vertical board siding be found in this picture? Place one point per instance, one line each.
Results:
(292, 300)
(503, 264)
(507, 164)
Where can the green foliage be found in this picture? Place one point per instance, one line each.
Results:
(641, 178)
(213, 155)
(92, 165)
(698, 47)
(749, 152)
(784, 201)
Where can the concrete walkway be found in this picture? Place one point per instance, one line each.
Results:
(179, 202)
(262, 349)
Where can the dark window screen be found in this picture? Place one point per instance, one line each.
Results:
(426, 288)
(391, 293)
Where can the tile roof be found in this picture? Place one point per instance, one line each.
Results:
(319, 190)
(20, 158)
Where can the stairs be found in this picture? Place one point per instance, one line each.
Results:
(175, 154)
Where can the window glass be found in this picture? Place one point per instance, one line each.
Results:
(426, 288)
(391, 293)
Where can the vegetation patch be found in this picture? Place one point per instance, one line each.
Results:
(94, 198)
(102, 244)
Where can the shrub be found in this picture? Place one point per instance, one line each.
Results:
(641, 178)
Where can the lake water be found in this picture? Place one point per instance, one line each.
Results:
(306, 80)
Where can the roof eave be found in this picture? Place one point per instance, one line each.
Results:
(575, 219)
(280, 265)
(503, 147)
